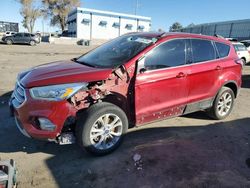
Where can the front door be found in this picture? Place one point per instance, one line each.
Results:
(18, 37)
(161, 84)
(26, 38)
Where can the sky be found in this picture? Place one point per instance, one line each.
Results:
(162, 12)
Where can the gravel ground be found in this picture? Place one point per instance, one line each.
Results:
(188, 151)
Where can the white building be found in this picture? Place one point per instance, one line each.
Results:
(91, 24)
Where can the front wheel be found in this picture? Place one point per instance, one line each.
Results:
(32, 43)
(223, 104)
(101, 128)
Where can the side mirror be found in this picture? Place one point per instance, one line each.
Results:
(142, 70)
(141, 65)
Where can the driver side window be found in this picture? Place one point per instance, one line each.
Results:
(168, 54)
(18, 35)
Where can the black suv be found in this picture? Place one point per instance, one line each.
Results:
(21, 38)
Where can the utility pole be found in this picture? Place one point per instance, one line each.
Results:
(136, 6)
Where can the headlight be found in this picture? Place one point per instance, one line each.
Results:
(57, 92)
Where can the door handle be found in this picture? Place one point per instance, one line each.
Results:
(218, 68)
(180, 75)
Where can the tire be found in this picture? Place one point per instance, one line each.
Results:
(223, 104)
(32, 43)
(243, 61)
(94, 130)
(9, 42)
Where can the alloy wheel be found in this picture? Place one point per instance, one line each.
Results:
(224, 104)
(106, 131)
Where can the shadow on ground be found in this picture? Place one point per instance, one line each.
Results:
(215, 155)
(202, 156)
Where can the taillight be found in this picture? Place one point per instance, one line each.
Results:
(239, 61)
(249, 51)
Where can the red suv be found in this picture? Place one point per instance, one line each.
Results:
(132, 80)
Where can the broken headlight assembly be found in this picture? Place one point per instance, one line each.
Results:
(57, 92)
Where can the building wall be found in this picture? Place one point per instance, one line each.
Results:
(93, 24)
(239, 29)
(72, 24)
(8, 26)
(83, 28)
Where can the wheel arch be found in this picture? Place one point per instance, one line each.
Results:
(9, 39)
(118, 100)
(233, 86)
(243, 58)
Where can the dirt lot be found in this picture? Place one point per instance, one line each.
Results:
(189, 151)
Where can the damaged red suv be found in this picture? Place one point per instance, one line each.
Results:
(132, 80)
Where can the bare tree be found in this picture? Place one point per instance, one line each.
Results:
(58, 10)
(30, 14)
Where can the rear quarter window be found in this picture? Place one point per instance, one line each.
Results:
(223, 49)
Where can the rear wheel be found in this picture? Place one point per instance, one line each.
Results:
(8, 41)
(223, 104)
(101, 128)
(243, 61)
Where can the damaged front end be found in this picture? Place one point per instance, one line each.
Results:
(114, 89)
(115, 84)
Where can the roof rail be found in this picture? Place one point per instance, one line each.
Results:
(219, 36)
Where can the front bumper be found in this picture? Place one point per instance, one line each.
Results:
(25, 114)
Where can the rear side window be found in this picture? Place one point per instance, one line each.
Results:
(203, 50)
(168, 54)
(26, 35)
(223, 49)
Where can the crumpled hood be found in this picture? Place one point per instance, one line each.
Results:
(61, 72)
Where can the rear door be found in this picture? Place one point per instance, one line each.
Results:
(26, 38)
(205, 70)
(161, 91)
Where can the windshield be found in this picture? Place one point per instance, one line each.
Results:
(116, 52)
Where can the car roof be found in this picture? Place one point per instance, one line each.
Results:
(147, 34)
(179, 34)
(245, 41)
(238, 43)
(200, 36)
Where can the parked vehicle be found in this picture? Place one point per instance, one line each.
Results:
(242, 52)
(232, 39)
(247, 44)
(132, 80)
(9, 33)
(21, 38)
